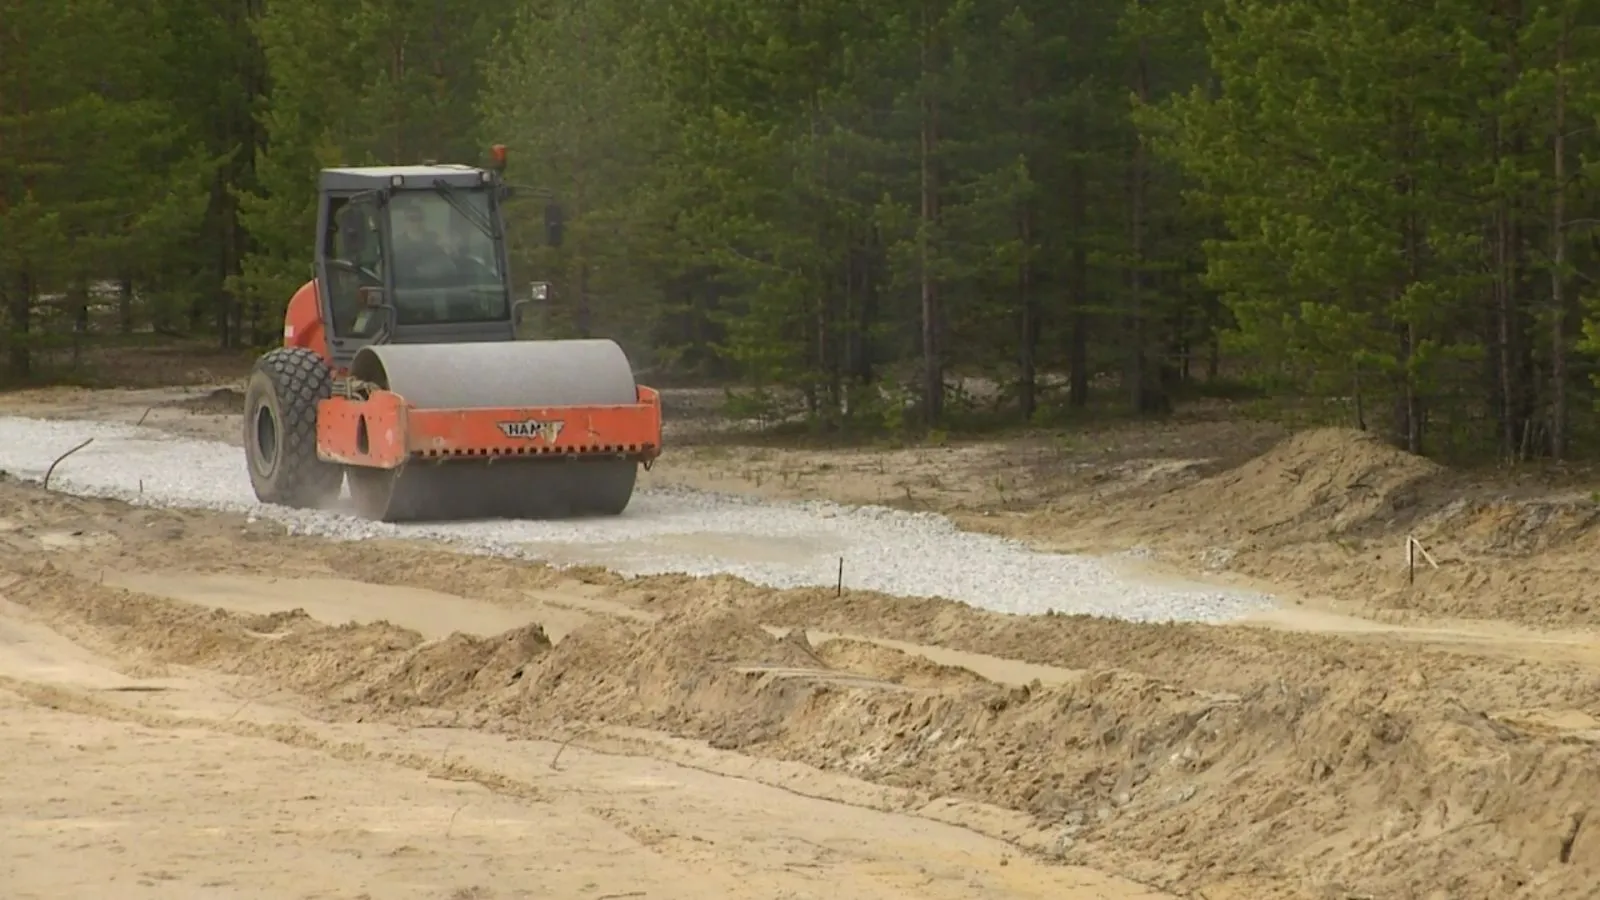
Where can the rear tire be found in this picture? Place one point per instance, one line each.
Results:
(280, 430)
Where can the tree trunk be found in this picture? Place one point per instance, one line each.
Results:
(18, 295)
(20, 310)
(397, 79)
(932, 363)
(1503, 303)
(1510, 355)
(1135, 361)
(1027, 301)
(1407, 408)
(125, 305)
(78, 302)
(585, 323)
(1028, 382)
(1558, 262)
(1078, 288)
(871, 259)
(230, 311)
(1410, 410)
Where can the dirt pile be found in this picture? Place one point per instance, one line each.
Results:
(1366, 783)
(689, 672)
(1216, 659)
(1316, 484)
(1516, 528)
(1529, 560)
(1394, 791)
(458, 669)
(337, 662)
(1326, 514)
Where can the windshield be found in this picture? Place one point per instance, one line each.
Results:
(446, 268)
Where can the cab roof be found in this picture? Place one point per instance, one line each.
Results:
(367, 178)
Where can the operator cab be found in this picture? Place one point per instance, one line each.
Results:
(414, 254)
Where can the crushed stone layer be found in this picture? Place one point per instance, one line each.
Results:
(674, 530)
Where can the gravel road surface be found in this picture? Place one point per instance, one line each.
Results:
(781, 545)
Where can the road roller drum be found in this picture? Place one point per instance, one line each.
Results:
(504, 480)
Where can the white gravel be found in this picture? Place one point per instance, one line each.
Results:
(677, 530)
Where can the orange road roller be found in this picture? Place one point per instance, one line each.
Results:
(401, 370)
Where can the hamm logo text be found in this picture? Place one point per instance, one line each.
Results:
(533, 430)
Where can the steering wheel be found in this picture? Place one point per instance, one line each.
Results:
(346, 265)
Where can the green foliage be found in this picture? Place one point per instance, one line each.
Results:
(99, 175)
(1386, 192)
(901, 217)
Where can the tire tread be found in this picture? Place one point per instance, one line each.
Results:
(300, 379)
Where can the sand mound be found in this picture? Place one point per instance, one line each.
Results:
(459, 667)
(1317, 483)
(1388, 791)
(686, 672)
(1528, 560)
(279, 623)
(381, 666)
(1517, 528)
(336, 663)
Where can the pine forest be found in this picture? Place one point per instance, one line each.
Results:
(1377, 214)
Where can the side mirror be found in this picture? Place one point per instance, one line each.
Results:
(538, 292)
(553, 224)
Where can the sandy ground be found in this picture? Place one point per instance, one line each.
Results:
(169, 787)
(316, 719)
